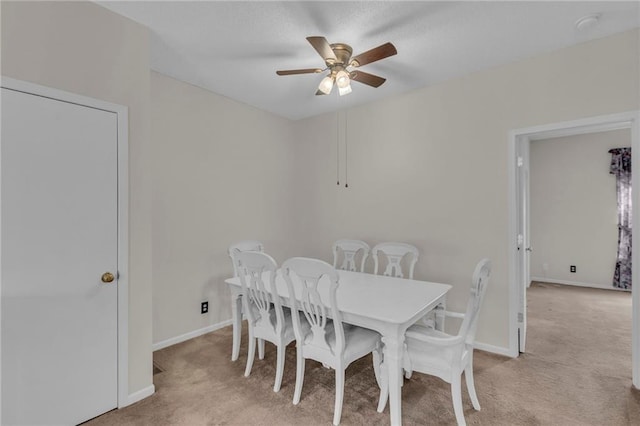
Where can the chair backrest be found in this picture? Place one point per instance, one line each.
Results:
(248, 245)
(479, 284)
(304, 277)
(350, 249)
(395, 252)
(255, 270)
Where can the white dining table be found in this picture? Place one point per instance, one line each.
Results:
(387, 305)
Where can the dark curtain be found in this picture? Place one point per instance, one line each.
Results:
(621, 168)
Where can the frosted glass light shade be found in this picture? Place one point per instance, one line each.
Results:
(344, 90)
(342, 79)
(326, 85)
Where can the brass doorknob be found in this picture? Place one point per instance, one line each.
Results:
(107, 277)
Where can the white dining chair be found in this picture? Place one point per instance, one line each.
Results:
(433, 352)
(394, 253)
(246, 245)
(314, 284)
(266, 317)
(349, 250)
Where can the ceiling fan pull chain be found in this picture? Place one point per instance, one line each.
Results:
(346, 149)
(338, 147)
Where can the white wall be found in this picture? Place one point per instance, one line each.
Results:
(430, 167)
(85, 49)
(222, 172)
(574, 208)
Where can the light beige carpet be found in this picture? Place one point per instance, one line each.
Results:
(577, 371)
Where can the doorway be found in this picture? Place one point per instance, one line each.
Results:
(64, 255)
(574, 209)
(519, 236)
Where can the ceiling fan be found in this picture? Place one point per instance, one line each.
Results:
(342, 67)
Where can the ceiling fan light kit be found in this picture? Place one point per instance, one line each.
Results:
(326, 85)
(341, 65)
(342, 79)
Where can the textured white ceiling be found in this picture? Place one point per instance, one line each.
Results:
(235, 47)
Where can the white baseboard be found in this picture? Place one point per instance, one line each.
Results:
(577, 284)
(190, 335)
(499, 350)
(139, 395)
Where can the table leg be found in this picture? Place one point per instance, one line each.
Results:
(393, 354)
(236, 319)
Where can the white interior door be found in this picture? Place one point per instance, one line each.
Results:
(524, 243)
(58, 237)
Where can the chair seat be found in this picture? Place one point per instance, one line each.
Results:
(431, 359)
(358, 342)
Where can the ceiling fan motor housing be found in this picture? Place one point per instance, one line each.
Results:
(343, 54)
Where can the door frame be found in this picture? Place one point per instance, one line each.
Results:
(122, 116)
(523, 237)
(626, 120)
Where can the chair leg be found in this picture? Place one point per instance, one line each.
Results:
(408, 370)
(456, 396)
(251, 354)
(337, 409)
(236, 315)
(468, 376)
(260, 348)
(299, 377)
(281, 350)
(377, 361)
(384, 388)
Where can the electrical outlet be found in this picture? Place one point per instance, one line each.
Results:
(204, 307)
(572, 268)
